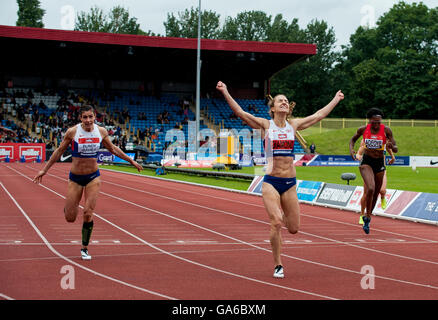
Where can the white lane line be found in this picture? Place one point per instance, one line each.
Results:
(302, 232)
(264, 249)
(187, 260)
(5, 297)
(47, 243)
(242, 202)
(260, 248)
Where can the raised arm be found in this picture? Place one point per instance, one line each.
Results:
(301, 124)
(252, 121)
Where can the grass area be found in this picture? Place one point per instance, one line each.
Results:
(411, 141)
(315, 130)
(236, 184)
(401, 178)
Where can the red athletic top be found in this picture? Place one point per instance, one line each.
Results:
(375, 141)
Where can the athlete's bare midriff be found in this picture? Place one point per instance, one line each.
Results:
(282, 167)
(84, 165)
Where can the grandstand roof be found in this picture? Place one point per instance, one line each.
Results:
(77, 54)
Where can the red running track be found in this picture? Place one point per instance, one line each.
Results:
(158, 239)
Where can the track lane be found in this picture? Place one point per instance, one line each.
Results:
(225, 280)
(236, 232)
(383, 265)
(34, 271)
(425, 285)
(357, 272)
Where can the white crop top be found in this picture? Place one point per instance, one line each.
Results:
(86, 144)
(279, 141)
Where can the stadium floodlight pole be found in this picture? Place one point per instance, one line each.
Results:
(198, 81)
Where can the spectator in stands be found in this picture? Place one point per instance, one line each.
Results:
(125, 114)
(253, 108)
(204, 142)
(19, 94)
(141, 116)
(178, 126)
(20, 113)
(160, 119)
(49, 146)
(372, 165)
(279, 185)
(166, 116)
(84, 175)
(42, 105)
(118, 131)
(36, 116)
(123, 141)
(312, 148)
(13, 101)
(30, 94)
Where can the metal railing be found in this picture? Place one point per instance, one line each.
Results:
(342, 123)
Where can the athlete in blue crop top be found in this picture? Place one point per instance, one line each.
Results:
(279, 185)
(85, 139)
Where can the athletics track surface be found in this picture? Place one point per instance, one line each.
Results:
(158, 239)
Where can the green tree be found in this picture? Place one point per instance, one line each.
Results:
(278, 30)
(310, 82)
(94, 21)
(408, 36)
(247, 26)
(30, 14)
(185, 25)
(394, 66)
(282, 31)
(365, 92)
(117, 21)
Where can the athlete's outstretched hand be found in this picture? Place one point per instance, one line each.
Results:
(339, 95)
(137, 165)
(39, 177)
(222, 87)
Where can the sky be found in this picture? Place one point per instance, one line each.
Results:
(345, 16)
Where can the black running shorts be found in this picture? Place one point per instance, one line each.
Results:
(377, 164)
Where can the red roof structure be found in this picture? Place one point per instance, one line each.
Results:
(108, 57)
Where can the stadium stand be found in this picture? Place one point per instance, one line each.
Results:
(131, 118)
